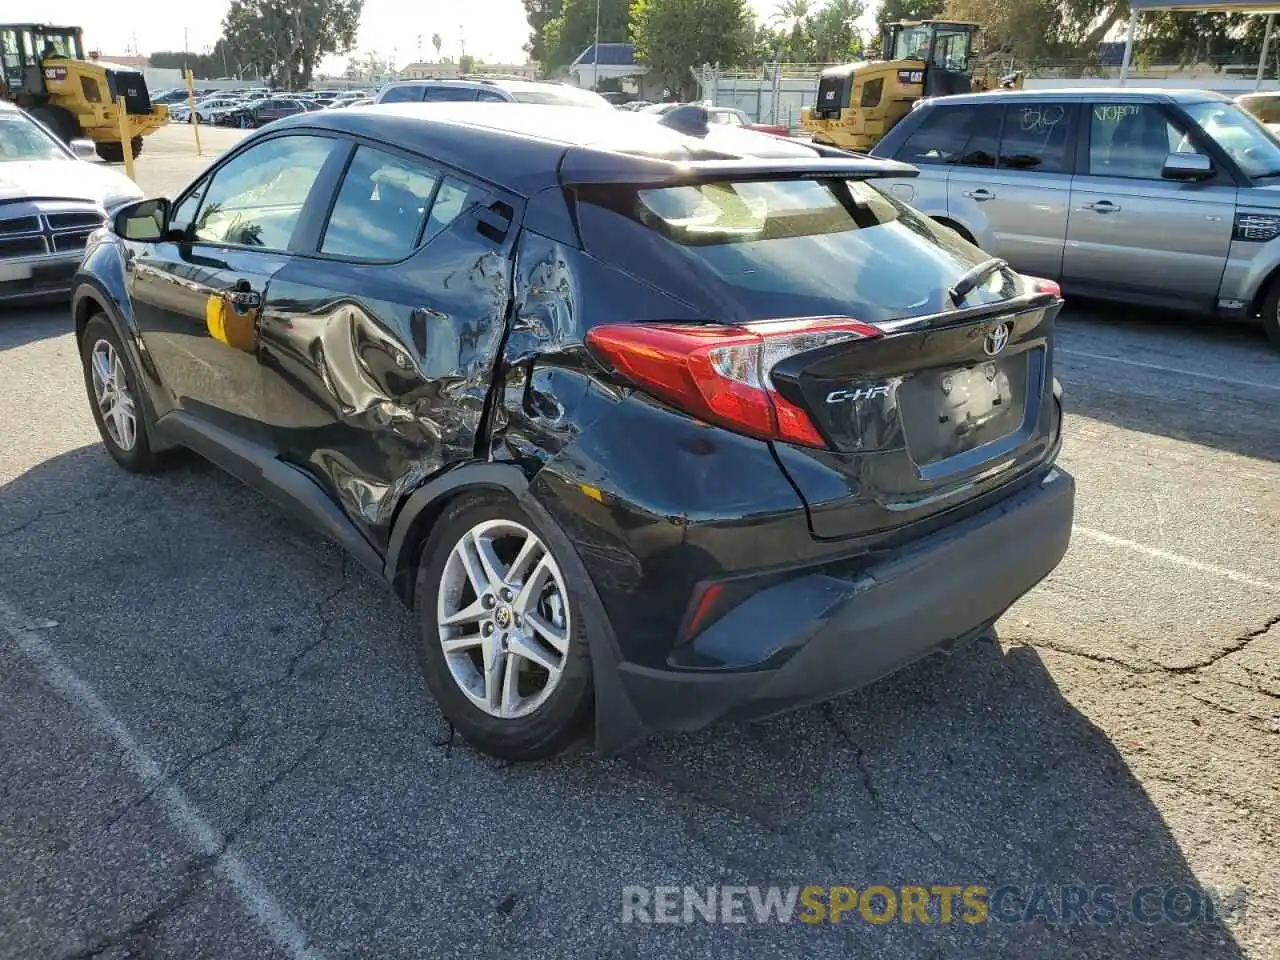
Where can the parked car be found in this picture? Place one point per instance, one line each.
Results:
(206, 108)
(1169, 198)
(738, 118)
(528, 366)
(485, 89)
(258, 113)
(50, 201)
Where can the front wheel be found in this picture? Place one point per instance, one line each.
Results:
(1271, 312)
(502, 631)
(115, 398)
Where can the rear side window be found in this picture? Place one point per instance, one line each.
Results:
(1038, 136)
(406, 94)
(757, 250)
(941, 136)
(380, 206)
(491, 96)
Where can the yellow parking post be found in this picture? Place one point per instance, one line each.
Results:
(126, 141)
(195, 117)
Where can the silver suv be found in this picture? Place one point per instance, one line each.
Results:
(1160, 197)
(490, 89)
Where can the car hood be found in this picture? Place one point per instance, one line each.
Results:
(64, 180)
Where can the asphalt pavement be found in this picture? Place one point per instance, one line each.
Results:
(214, 740)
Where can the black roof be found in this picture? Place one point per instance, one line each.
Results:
(525, 147)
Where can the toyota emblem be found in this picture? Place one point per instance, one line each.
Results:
(997, 339)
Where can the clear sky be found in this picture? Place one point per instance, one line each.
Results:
(494, 30)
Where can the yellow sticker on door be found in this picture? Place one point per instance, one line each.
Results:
(228, 324)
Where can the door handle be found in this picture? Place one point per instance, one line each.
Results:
(1102, 206)
(981, 194)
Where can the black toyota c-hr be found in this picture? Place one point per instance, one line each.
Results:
(668, 422)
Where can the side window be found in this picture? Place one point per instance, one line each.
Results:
(410, 93)
(984, 137)
(184, 214)
(443, 94)
(453, 199)
(1037, 136)
(490, 96)
(378, 214)
(256, 199)
(941, 136)
(1131, 140)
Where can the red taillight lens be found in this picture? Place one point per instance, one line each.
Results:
(1041, 285)
(720, 373)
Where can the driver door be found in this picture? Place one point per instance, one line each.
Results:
(198, 298)
(1133, 235)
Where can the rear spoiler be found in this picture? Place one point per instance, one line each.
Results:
(582, 165)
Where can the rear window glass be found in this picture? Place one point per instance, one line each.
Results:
(765, 249)
(560, 97)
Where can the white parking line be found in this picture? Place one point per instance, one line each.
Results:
(1170, 557)
(1233, 381)
(255, 898)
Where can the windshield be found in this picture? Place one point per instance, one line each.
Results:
(561, 97)
(21, 138)
(911, 43)
(1248, 142)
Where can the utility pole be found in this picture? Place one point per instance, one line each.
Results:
(186, 48)
(595, 53)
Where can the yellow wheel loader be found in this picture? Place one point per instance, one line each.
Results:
(44, 70)
(858, 103)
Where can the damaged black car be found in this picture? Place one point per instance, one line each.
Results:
(651, 424)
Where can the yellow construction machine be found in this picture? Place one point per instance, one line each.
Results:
(44, 70)
(858, 103)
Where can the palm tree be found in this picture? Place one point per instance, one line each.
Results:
(436, 42)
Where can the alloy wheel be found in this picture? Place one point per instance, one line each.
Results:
(111, 392)
(503, 618)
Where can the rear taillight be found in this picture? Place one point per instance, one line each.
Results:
(720, 373)
(1041, 285)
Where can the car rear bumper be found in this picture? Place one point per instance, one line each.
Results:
(821, 634)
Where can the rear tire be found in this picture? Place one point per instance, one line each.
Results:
(494, 647)
(112, 152)
(61, 123)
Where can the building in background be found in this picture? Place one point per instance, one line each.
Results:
(445, 70)
(617, 62)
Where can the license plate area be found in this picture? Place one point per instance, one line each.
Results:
(949, 412)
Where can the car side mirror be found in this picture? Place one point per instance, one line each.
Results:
(146, 221)
(1187, 166)
(83, 149)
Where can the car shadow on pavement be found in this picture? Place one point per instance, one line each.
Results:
(274, 682)
(31, 323)
(1159, 399)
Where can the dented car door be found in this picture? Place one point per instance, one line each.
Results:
(378, 349)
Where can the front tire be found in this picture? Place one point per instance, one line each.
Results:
(1271, 313)
(116, 399)
(502, 631)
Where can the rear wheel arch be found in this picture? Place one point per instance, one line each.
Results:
(424, 506)
(1266, 303)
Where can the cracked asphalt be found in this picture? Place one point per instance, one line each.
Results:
(214, 741)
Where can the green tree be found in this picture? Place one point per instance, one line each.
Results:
(285, 39)
(673, 35)
(565, 37)
(539, 13)
(891, 11)
(834, 29)
(1025, 30)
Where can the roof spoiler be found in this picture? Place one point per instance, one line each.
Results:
(586, 166)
